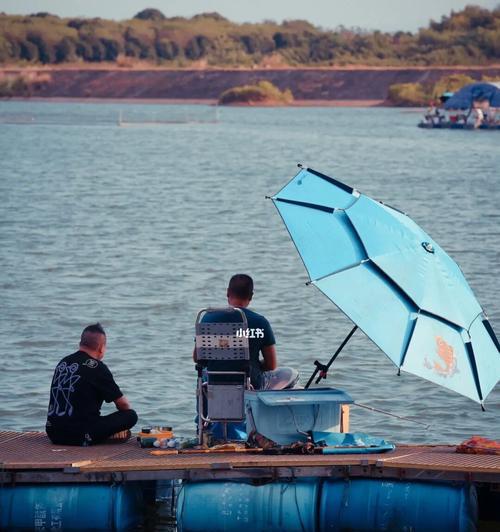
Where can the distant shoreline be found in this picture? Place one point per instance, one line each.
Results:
(198, 101)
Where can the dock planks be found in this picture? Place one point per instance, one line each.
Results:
(30, 457)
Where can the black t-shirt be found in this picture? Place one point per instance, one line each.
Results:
(79, 386)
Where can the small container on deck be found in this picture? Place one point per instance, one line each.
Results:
(147, 437)
(286, 416)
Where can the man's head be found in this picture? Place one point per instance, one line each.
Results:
(93, 341)
(240, 290)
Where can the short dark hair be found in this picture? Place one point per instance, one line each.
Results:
(90, 336)
(241, 285)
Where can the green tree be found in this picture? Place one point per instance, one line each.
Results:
(135, 46)
(257, 43)
(76, 23)
(13, 47)
(212, 15)
(166, 49)
(65, 50)
(407, 94)
(150, 14)
(84, 49)
(28, 51)
(198, 47)
(43, 14)
(261, 92)
(489, 42)
(46, 53)
(112, 49)
(286, 39)
(321, 48)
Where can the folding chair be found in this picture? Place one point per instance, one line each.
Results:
(221, 344)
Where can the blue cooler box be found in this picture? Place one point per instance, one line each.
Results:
(285, 416)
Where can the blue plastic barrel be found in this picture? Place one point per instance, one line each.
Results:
(71, 507)
(240, 506)
(371, 504)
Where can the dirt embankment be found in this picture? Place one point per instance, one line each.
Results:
(315, 85)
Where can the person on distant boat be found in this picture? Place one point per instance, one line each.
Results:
(80, 384)
(433, 115)
(431, 112)
(490, 116)
(462, 117)
(264, 373)
(478, 117)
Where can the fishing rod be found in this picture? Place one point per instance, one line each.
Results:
(380, 411)
(322, 369)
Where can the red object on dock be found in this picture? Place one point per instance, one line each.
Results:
(479, 445)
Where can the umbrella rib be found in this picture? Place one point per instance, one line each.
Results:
(315, 206)
(332, 181)
(358, 236)
(393, 208)
(451, 324)
(472, 361)
(407, 346)
(491, 332)
(350, 267)
(395, 285)
(420, 310)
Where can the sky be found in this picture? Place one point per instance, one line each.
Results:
(385, 15)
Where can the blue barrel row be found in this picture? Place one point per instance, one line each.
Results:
(327, 505)
(71, 507)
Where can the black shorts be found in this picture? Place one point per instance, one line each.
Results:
(90, 432)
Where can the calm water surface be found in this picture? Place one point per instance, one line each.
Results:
(140, 227)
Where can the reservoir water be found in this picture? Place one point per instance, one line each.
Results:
(140, 227)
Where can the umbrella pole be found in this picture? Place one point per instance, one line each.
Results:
(322, 369)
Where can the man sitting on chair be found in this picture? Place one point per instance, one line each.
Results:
(264, 375)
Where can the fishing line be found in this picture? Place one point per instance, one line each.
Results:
(373, 409)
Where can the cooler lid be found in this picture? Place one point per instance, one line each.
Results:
(302, 397)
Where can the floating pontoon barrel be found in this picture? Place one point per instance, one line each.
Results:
(371, 504)
(240, 506)
(70, 507)
(356, 504)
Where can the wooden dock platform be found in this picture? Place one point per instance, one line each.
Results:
(29, 457)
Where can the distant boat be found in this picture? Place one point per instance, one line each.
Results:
(480, 100)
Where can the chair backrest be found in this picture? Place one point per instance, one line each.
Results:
(222, 340)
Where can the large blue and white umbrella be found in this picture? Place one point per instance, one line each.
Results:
(393, 281)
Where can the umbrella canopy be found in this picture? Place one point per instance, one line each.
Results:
(393, 281)
(481, 91)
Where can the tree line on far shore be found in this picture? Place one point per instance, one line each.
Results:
(467, 37)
